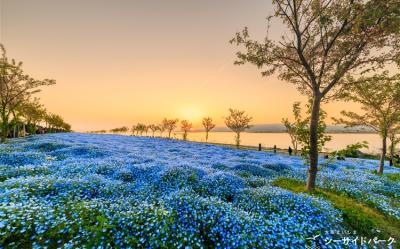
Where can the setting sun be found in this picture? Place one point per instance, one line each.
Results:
(192, 113)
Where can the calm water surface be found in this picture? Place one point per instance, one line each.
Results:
(282, 140)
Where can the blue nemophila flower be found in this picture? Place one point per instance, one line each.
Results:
(106, 191)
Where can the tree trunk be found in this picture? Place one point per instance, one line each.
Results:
(23, 130)
(4, 126)
(383, 155)
(313, 154)
(237, 140)
(4, 131)
(206, 136)
(392, 148)
(185, 135)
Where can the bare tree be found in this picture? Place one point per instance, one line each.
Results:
(133, 130)
(237, 121)
(163, 126)
(379, 96)
(170, 125)
(322, 43)
(153, 128)
(15, 88)
(140, 129)
(146, 129)
(186, 127)
(208, 125)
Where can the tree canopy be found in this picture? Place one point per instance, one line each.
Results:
(16, 97)
(379, 97)
(325, 41)
(238, 121)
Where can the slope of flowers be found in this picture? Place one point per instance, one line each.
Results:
(80, 190)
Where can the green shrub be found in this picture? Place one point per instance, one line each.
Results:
(352, 150)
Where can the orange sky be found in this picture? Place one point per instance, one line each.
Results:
(121, 62)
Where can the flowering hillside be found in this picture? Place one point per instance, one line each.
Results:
(80, 190)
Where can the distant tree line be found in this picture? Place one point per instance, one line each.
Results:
(20, 112)
(119, 129)
(98, 132)
(238, 121)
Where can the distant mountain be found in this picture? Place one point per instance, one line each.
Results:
(277, 128)
(343, 129)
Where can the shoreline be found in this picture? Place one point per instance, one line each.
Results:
(245, 147)
(233, 146)
(281, 132)
(271, 149)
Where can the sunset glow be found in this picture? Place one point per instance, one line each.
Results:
(192, 113)
(115, 65)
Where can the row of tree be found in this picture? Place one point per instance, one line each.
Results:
(20, 111)
(238, 121)
(166, 125)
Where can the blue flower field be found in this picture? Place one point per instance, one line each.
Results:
(109, 191)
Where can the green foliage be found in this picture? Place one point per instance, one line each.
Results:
(304, 132)
(290, 184)
(394, 177)
(33, 111)
(322, 43)
(56, 123)
(299, 130)
(292, 128)
(379, 97)
(394, 141)
(352, 150)
(16, 89)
